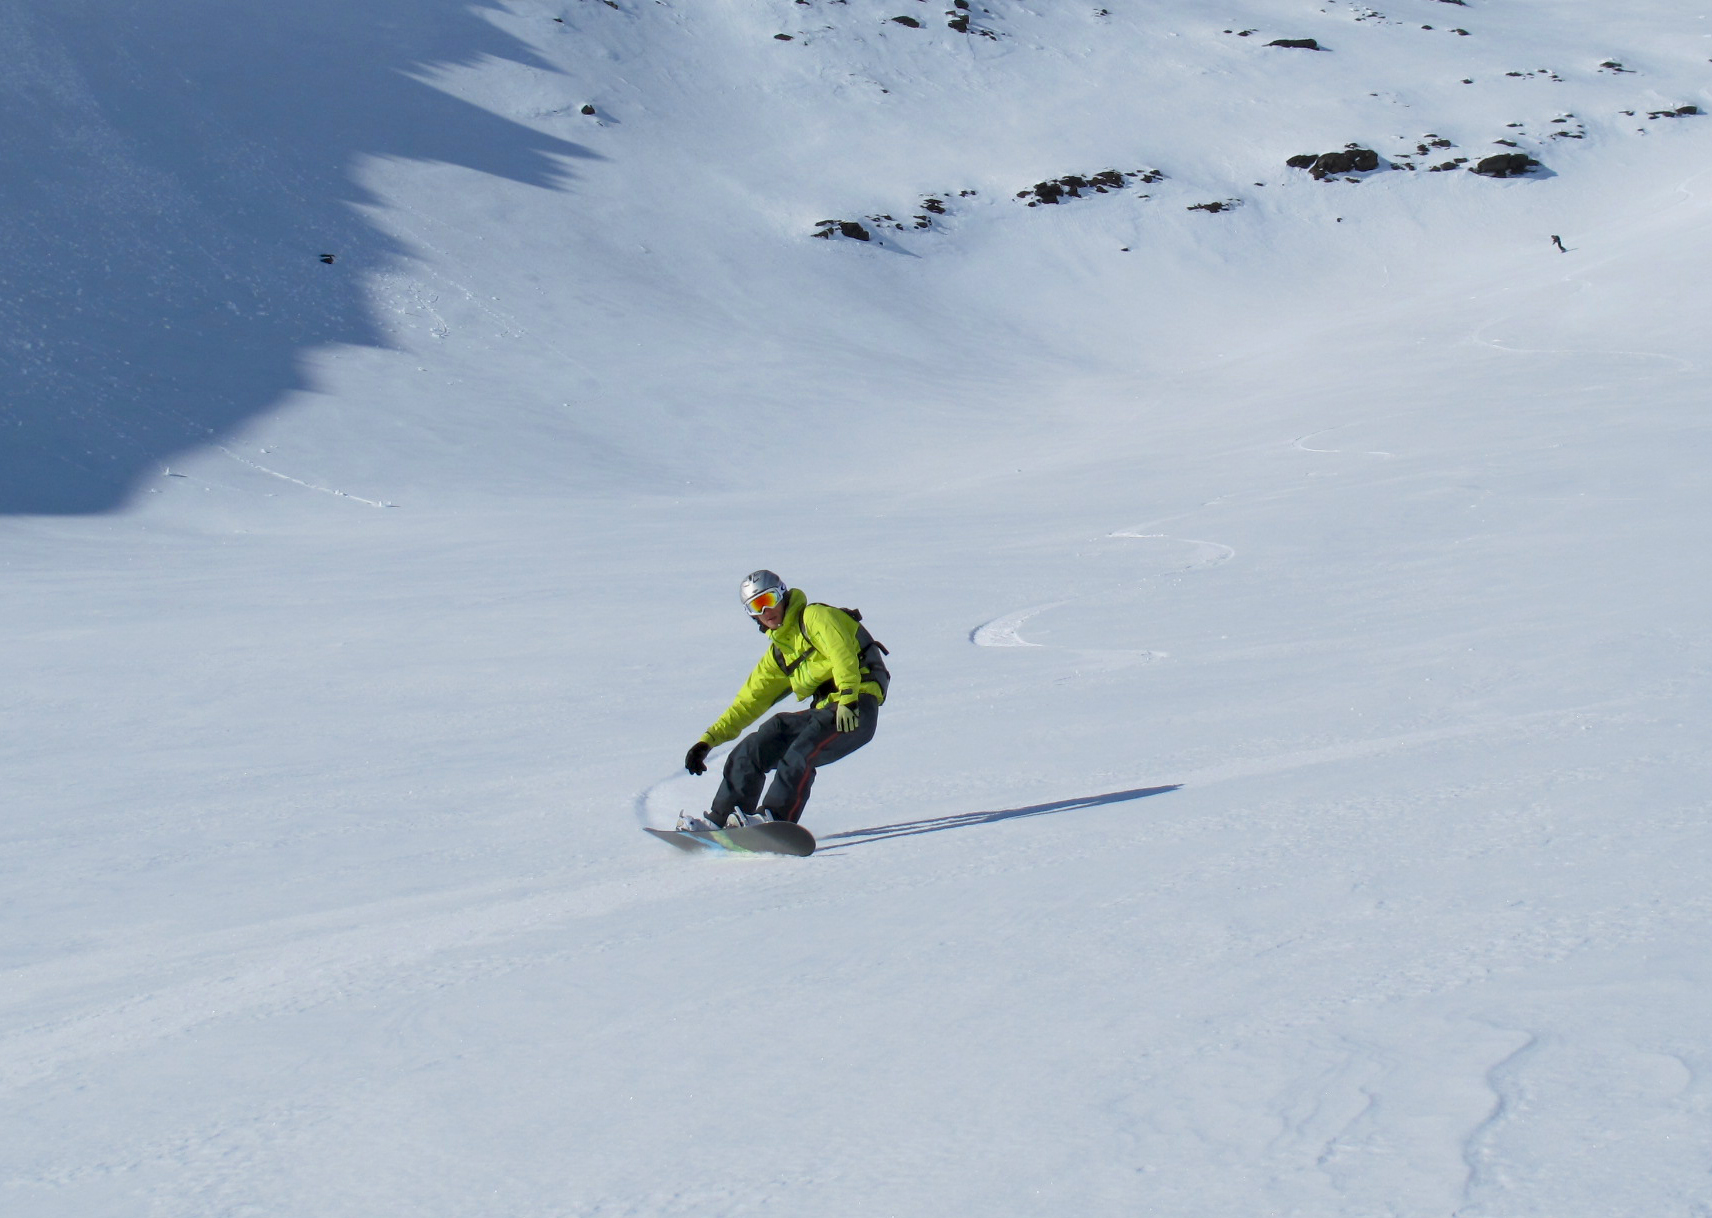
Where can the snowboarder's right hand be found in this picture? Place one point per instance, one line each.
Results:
(695, 761)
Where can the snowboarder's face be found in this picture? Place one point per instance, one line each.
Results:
(768, 607)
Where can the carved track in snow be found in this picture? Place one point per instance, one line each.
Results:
(1003, 631)
(1006, 629)
(1301, 442)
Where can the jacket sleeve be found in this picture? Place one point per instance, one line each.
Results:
(765, 686)
(832, 632)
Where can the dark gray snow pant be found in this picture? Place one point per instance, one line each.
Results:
(792, 744)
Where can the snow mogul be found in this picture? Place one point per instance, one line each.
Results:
(825, 656)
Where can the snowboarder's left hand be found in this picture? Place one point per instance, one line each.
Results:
(847, 718)
(695, 761)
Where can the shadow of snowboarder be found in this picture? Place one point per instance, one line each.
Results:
(938, 824)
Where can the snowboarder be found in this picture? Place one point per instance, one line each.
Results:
(821, 654)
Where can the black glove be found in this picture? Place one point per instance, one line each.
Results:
(695, 761)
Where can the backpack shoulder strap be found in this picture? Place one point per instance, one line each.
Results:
(788, 669)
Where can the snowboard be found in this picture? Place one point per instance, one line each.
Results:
(771, 837)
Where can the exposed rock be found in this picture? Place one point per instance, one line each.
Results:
(958, 17)
(1217, 205)
(1305, 44)
(847, 228)
(1326, 164)
(1679, 112)
(1072, 185)
(909, 21)
(1504, 165)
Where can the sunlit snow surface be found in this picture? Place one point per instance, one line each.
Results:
(1293, 794)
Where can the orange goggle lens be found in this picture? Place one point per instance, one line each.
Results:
(761, 601)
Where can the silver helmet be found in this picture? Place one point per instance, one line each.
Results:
(757, 583)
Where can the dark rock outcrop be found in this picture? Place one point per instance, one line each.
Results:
(1504, 165)
(846, 228)
(1328, 164)
(1304, 44)
(1071, 186)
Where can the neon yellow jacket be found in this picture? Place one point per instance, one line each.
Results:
(817, 643)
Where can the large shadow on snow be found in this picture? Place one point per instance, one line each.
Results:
(170, 174)
(938, 824)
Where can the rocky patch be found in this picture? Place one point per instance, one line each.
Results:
(1323, 165)
(1301, 44)
(1504, 165)
(1072, 185)
(1424, 146)
(1217, 205)
(959, 16)
(855, 230)
(827, 229)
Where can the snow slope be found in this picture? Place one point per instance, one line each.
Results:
(1293, 794)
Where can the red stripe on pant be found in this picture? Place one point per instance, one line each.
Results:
(801, 796)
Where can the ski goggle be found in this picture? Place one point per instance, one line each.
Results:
(772, 598)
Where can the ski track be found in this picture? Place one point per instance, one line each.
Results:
(1575, 717)
(325, 490)
(290, 965)
(1497, 344)
(657, 806)
(1477, 1151)
(1006, 630)
(1301, 442)
(1479, 338)
(1003, 631)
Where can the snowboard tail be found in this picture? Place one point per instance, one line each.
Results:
(771, 837)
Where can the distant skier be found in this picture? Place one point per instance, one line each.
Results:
(819, 653)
